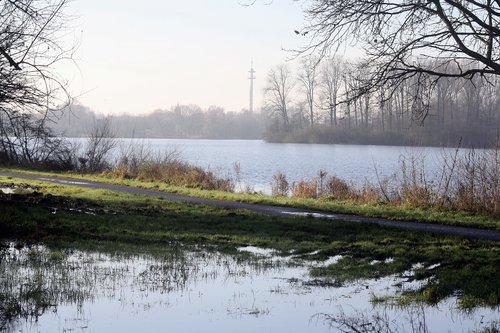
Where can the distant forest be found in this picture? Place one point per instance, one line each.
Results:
(314, 104)
(181, 121)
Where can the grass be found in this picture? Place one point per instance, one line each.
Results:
(403, 212)
(449, 266)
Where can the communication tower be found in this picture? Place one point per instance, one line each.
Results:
(251, 78)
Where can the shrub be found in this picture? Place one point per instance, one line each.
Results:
(338, 189)
(305, 189)
(169, 169)
(369, 193)
(416, 195)
(476, 185)
(280, 185)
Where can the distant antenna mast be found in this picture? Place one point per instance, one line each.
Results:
(251, 78)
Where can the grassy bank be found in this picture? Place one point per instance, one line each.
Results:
(369, 208)
(446, 266)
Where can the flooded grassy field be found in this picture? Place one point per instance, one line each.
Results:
(85, 260)
(188, 288)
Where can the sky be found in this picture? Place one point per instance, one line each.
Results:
(135, 57)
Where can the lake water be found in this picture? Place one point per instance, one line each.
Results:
(259, 160)
(200, 290)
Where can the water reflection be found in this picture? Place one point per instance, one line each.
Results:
(45, 289)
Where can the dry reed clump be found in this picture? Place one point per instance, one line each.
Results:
(369, 194)
(338, 189)
(305, 189)
(416, 195)
(413, 188)
(280, 185)
(476, 186)
(120, 171)
(469, 182)
(183, 174)
(170, 169)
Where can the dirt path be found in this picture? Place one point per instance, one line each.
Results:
(272, 210)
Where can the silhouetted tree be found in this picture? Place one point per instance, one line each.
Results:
(100, 142)
(30, 91)
(277, 93)
(401, 39)
(308, 77)
(330, 79)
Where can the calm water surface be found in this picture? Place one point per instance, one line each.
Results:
(259, 160)
(199, 291)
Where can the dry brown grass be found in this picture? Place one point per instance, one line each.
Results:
(338, 189)
(168, 168)
(469, 182)
(305, 189)
(369, 194)
(280, 185)
(477, 184)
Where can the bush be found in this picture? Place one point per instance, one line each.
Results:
(416, 195)
(280, 185)
(369, 193)
(468, 182)
(169, 169)
(305, 189)
(338, 189)
(477, 187)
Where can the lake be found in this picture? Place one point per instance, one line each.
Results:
(259, 160)
(194, 289)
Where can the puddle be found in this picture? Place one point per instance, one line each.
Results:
(63, 181)
(431, 267)
(7, 190)
(257, 251)
(193, 290)
(16, 190)
(84, 211)
(332, 260)
(330, 216)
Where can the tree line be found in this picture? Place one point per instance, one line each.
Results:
(317, 103)
(180, 121)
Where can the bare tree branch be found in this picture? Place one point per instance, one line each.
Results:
(30, 90)
(403, 39)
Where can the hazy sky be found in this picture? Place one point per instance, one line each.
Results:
(138, 56)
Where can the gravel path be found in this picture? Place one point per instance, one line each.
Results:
(272, 210)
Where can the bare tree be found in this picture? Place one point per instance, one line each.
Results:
(278, 93)
(330, 84)
(30, 90)
(444, 88)
(401, 39)
(308, 77)
(101, 141)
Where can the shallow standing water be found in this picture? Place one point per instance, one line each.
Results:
(198, 290)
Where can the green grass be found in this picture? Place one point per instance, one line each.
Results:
(380, 209)
(61, 213)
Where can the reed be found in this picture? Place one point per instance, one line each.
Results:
(143, 165)
(468, 182)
